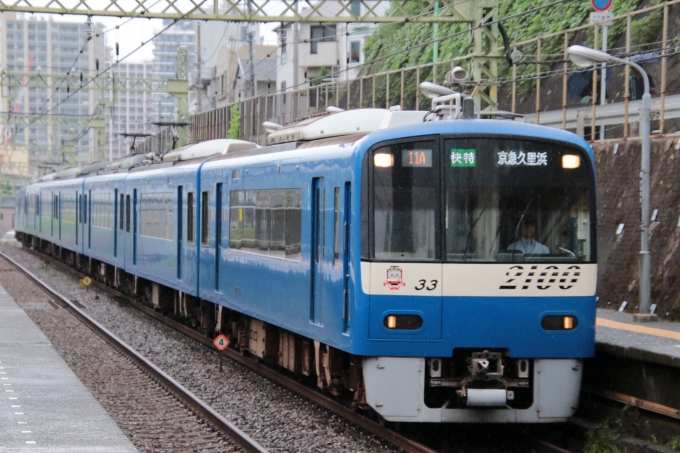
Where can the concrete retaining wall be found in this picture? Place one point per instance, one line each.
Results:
(619, 202)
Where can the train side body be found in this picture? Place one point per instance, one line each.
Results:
(285, 280)
(103, 239)
(152, 249)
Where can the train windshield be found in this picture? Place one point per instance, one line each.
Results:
(482, 200)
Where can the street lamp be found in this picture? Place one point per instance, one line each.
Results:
(585, 56)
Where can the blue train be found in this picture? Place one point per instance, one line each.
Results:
(431, 271)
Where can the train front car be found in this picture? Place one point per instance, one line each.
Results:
(478, 268)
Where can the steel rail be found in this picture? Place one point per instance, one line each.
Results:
(186, 396)
(394, 438)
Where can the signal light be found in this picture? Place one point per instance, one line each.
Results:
(571, 161)
(403, 322)
(559, 322)
(383, 160)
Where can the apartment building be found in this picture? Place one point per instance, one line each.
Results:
(32, 45)
(132, 112)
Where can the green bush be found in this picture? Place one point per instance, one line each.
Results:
(235, 125)
(398, 46)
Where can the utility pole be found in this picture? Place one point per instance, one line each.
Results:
(199, 83)
(253, 81)
(160, 149)
(296, 38)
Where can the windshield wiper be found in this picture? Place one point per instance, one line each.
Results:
(472, 229)
(512, 258)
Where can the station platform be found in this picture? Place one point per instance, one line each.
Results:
(635, 364)
(43, 405)
(616, 331)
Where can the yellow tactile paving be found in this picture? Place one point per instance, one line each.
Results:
(639, 329)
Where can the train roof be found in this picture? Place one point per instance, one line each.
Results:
(349, 122)
(481, 127)
(361, 142)
(201, 150)
(375, 125)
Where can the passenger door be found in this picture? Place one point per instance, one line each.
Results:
(180, 230)
(329, 257)
(339, 285)
(318, 244)
(130, 228)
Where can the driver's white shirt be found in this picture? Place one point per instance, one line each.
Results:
(529, 247)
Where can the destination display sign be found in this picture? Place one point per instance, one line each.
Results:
(521, 159)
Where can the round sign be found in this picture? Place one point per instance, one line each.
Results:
(601, 5)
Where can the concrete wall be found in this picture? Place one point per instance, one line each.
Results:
(618, 202)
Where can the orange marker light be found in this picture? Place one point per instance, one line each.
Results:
(391, 322)
(559, 322)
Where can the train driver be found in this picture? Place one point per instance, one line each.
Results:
(528, 244)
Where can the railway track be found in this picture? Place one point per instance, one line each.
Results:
(385, 433)
(167, 382)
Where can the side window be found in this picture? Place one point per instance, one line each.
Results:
(121, 215)
(266, 222)
(218, 215)
(336, 228)
(85, 209)
(127, 213)
(205, 218)
(190, 217)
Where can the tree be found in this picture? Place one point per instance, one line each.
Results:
(234, 127)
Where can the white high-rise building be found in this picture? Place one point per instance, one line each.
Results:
(183, 33)
(31, 45)
(133, 111)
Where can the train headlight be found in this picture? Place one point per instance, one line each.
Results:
(559, 322)
(403, 322)
(383, 160)
(571, 161)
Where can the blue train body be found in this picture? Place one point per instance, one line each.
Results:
(285, 249)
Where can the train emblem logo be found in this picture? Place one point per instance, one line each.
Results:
(523, 277)
(395, 278)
